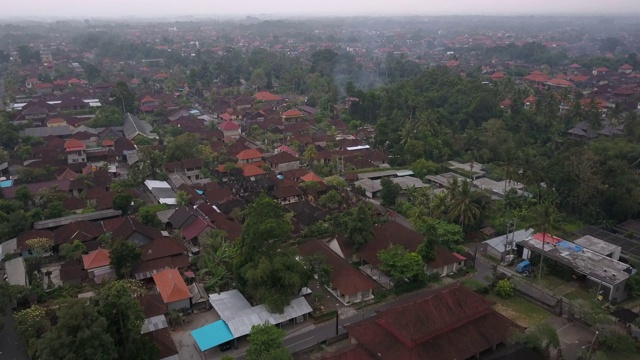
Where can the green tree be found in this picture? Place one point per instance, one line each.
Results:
(40, 246)
(466, 204)
(266, 343)
(122, 202)
(23, 195)
(438, 231)
(182, 147)
(544, 218)
(182, 198)
(390, 192)
(540, 338)
(108, 116)
(123, 257)
(123, 97)
(427, 250)
(317, 265)
(267, 267)
(330, 200)
(310, 154)
(72, 251)
(117, 304)
(633, 286)
(359, 226)
(148, 214)
(424, 167)
(80, 334)
(336, 181)
(31, 323)
(401, 264)
(504, 289)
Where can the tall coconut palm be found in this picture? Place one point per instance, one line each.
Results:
(546, 219)
(465, 208)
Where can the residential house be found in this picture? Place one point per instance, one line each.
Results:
(287, 194)
(173, 290)
(76, 151)
(445, 262)
(432, 328)
(291, 116)
(626, 69)
(44, 88)
(134, 128)
(163, 341)
(268, 98)
(159, 254)
(230, 129)
(250, 156)
(25, 249)
(347, 283)
(196, 230)
(97, 264)
(283, 161)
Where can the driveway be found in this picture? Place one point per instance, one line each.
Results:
(573, 337)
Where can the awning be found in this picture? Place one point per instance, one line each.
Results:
(212, 335)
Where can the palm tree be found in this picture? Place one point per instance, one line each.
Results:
(544, 218)
(464, 209)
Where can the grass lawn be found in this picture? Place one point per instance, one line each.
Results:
(520, 310)
(579, 294)
(549, 282)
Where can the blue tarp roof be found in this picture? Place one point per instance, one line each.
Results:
(6, 183)
(569, 246)
(212, 335)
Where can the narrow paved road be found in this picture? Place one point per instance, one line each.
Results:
(11, 347)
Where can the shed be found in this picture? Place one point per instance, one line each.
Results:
(212, 335)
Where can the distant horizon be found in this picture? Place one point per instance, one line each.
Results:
(285, 9)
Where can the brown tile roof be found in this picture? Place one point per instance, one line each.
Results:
(352, 352)
(82, 231)
(443, 257)
(162, 247)
(344, 277)
(281, 158)
(387, 234)
(163, 341)
(432, 328)
(32, 234)
(171, 286)
(152, 305)
(218, 195)
(286, 191)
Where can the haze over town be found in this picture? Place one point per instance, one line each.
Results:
(201, 8)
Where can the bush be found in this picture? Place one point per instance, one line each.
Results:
(504, 289)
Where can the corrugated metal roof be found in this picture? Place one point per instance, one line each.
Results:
(236, 311)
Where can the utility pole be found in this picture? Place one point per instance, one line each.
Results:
(337, 317)
(591, 346)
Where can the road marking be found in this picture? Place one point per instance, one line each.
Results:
(301, 341)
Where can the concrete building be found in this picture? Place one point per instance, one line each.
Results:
(600, 271)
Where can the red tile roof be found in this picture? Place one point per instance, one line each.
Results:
(73, 145)
(344, 277)
(251, 170)
(249, 154)
(531, 99)
(432, 328)
(267, 96)
(626, 67)
(311, 177)
(96, 259)
(560, 82)
(293, 113)
(497, 75)
(229, 126)
(537, 76)
(171, 286)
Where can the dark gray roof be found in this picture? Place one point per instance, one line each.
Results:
(133, 126)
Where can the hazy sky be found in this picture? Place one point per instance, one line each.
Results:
(150, 8)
